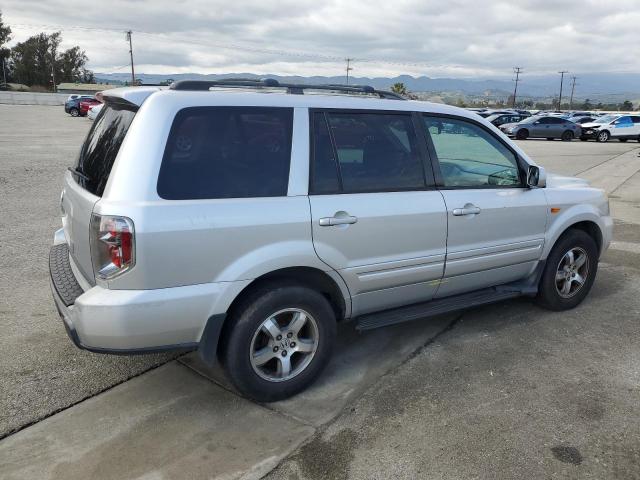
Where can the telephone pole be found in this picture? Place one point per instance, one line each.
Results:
(573, 87)
(517, 71)
(133, 74)
(53, 72)
(561, 82)
(349, 68)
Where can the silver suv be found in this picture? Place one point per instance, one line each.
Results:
(247, 218)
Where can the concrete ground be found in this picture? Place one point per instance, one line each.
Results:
(504, 391)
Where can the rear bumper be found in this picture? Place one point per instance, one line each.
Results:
(132, 321)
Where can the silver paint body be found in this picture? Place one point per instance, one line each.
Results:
(194, 257)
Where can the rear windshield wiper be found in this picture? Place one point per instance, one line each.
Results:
(79, 173)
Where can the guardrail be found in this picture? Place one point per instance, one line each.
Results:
(33, 98)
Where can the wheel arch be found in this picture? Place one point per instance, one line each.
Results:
(590, 227)
(329, 284)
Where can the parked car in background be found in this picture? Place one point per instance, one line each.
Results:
(502, 118)
(94, 111)
(86, 104)
(549, 127)
(620, 127)
(248, 225)
(72, 107)
(73, 96)
(583, 120)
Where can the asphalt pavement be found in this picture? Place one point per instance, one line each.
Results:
(504, 391)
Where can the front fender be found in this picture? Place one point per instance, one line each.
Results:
(568, 216)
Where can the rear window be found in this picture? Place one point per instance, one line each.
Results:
(227, 152)
(102, 145)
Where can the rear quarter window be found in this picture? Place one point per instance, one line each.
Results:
(101, 147)
(227, 152)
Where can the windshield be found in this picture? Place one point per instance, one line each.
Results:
(102, 145)
(606, 119)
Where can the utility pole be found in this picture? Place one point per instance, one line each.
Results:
(561, 82)
(517, 71)
(4, 71)
(53, 72)
(133, 74)
(348, 60)
(573, 87)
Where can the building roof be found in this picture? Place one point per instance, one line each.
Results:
(90, 87)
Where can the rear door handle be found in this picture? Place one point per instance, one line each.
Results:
(468, 209)
(332, 221)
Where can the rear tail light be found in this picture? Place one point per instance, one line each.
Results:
(112, 245)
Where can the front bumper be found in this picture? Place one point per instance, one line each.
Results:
(131, 321)
(589, 133)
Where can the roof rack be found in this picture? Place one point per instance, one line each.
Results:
(293, 88)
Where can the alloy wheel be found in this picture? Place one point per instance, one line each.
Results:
(572, 272)
(284, 345)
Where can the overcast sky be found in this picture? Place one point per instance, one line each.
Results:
(462, 38)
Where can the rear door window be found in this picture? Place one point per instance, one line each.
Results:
(375, 152)
(227, 152)
(102, 145)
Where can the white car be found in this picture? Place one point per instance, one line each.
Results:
(94, 111)
(621, 127)
(74, 96)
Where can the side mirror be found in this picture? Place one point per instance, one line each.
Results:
(536, 177)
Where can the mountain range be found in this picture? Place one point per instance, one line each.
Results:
(596, 86)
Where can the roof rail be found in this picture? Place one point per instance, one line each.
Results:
(293, 88)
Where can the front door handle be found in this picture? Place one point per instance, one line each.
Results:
(468, 209)
(337, 220)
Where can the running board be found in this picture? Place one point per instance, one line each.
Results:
(436, 307)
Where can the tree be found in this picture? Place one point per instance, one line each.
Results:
(399, 88)
(587, 105)
(5, 36)
(36, 61)
(626, 106)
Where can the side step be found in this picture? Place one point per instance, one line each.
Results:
(435, 307)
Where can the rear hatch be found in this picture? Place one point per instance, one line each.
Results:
(86, 181)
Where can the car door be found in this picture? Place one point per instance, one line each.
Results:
(496, 224)
(540, 128)
(376, 217)
(622, 127)
(636, 126)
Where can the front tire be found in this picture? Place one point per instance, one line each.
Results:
(74, 112)
(279, 340)
(603, 137)
(567, 136)
(522, 134)
(569, 272)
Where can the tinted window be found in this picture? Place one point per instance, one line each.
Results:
(101, 147)
(624, 121)
(635, 119)
(558, 121)
(324, 172)
(227, 152)
(376, 152)
(469, 156)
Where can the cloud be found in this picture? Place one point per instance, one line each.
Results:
(419, 37)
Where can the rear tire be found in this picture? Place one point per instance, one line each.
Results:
(268, 361)
(74, 112)
(567, 136)
(522, 134)
(603, 137)
(569, 272)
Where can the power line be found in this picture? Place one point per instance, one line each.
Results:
(517, 71)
